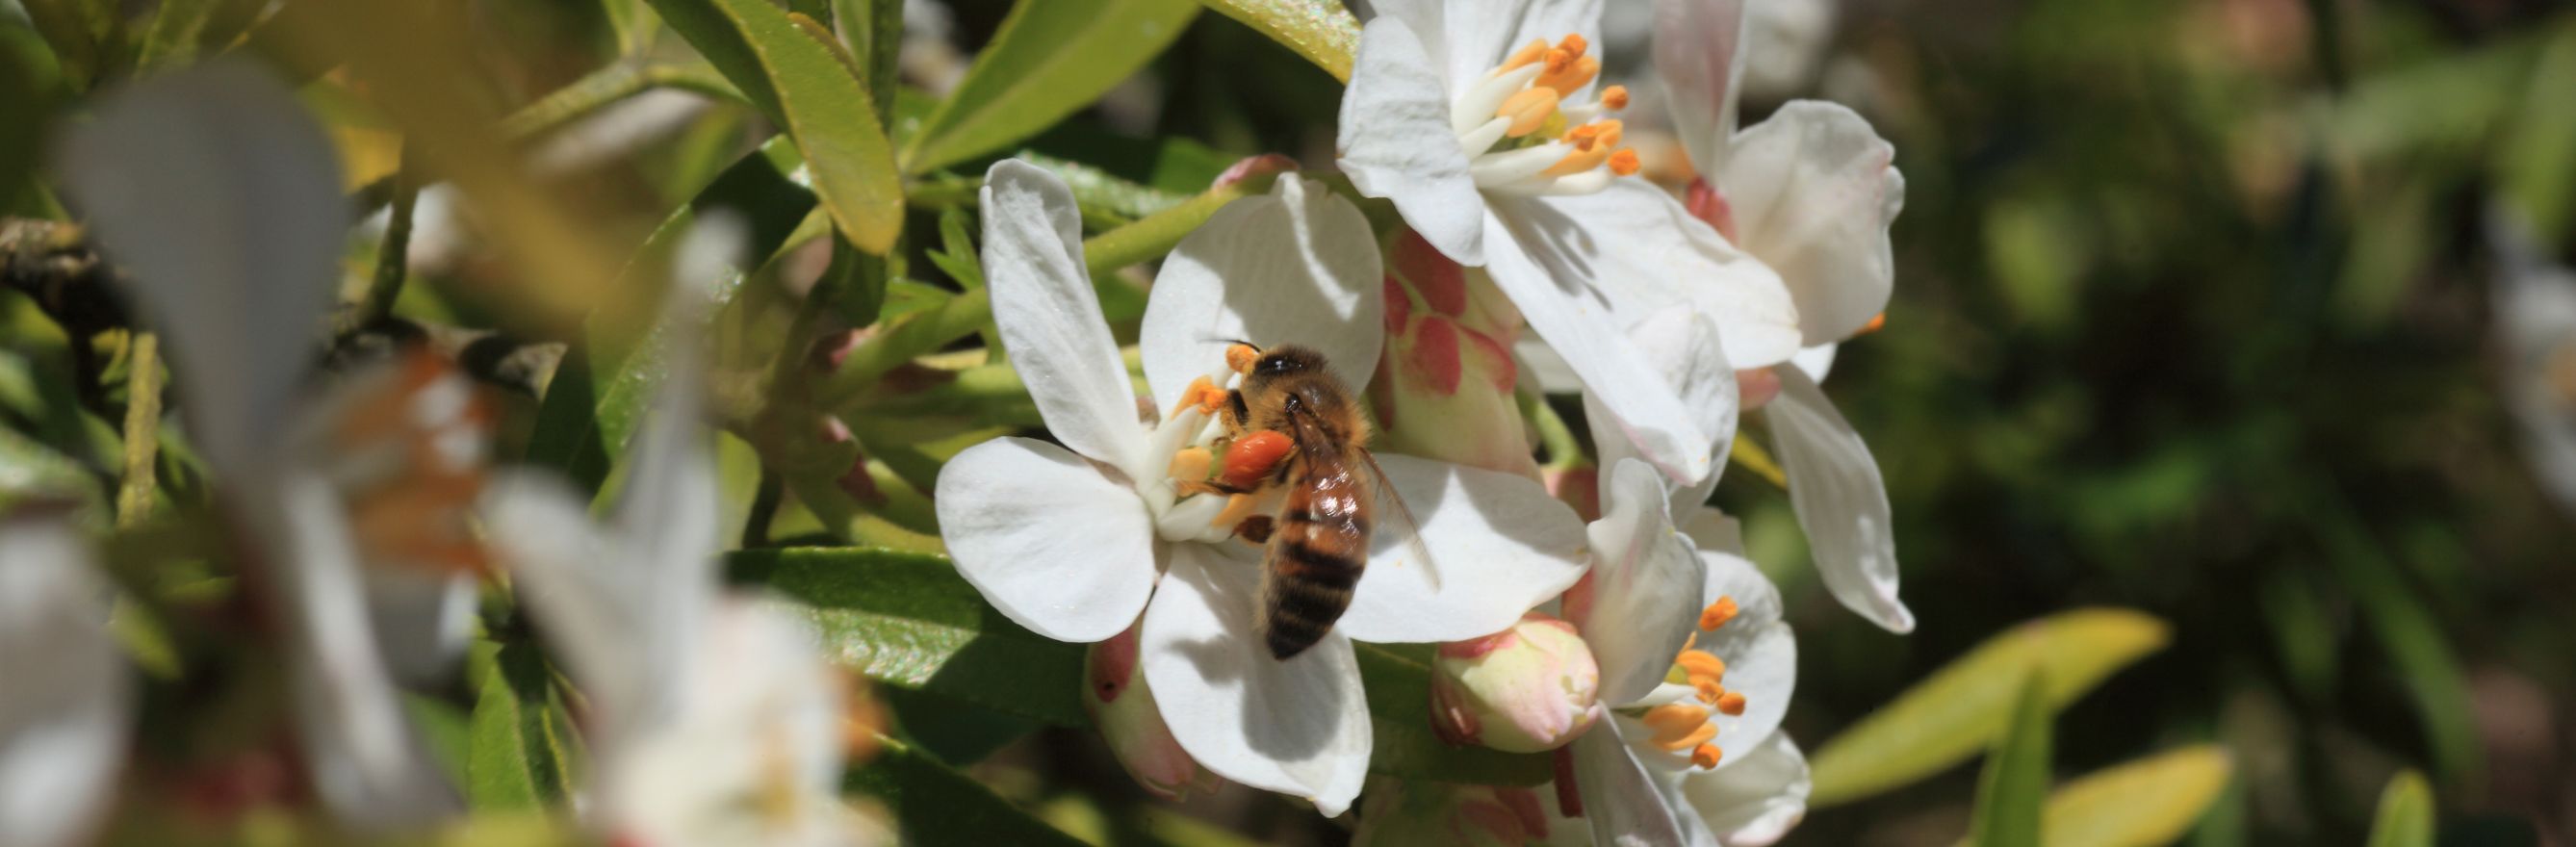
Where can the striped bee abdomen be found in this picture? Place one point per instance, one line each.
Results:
(1315, 556)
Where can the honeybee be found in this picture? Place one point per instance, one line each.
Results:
(1293, 424)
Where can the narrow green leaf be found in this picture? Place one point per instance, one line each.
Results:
(800, 83)
(1323, 31)
(2011, 791)
(935, 806)
(2412, 634)
(2405, 813)
(519, 742)
(908, 619)
(1965, 706)
(183, 28)
(1049, 58)
(599, 392)
(2146, 802)
(74, 29)
(1399, 701)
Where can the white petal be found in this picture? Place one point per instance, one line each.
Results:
(1712, 530)
(615, 630)
(1840, 499)
(1620, 797)
(669, 506)
(1752, 801)
(219, 194)
(1299, 727)
(1760, 653)
(1296, 266)
(1684, 348)
(1050, 318)
(1646, 582)
(1814, 190)
(1542, 370)
(423, 621)
(64, 714)
(1055, 545)
(1481, 33)
(1699, 53)
(1396, 143)
(1642, 253)
(1817, 361)
(366, 763)
(1499, 545)
(760, 730)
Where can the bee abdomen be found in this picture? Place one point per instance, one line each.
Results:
(1306, 589)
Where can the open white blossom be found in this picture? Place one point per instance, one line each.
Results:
(2535, 309)
(64, 714)
(1075, 542)
(1811, 193)
(1481, 122)
(219, 194)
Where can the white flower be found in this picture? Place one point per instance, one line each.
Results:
(1479, 123)
(218, 193)
(1694, 657)
(64, 712)
(1810, 192)
(1074, 541)
(718, 721)
(2535, 308)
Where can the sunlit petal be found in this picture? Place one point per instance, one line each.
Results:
(1814, 190)
(1396, 142)
(1295, 266)
(63, 713)
(1499, 545)
(1841, 501)
(1050, 318)
(1055, 545)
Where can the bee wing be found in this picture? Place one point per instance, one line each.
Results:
(1404, 521)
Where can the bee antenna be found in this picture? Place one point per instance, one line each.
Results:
(1216, 339)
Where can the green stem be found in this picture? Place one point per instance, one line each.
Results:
(764, 509)
(1564, 452)
(393, 256)
(616, 81)
(142, 429)
(1758, 460)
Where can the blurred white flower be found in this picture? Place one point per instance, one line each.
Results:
(1482, 125)
(2535, 311)
(1810, 192)
(1074, 541)
(64, 714)
(219, 194)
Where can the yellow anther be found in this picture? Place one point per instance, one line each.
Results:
(1732, 705)
(1192, 463)
(1695, 738)
(1237, 508)
(1717, 614)
(1585, 157)
(1678, 726)
(1557, 62)
(1611, 131)
(1240, 357)
(1200, 393)
(1534, 51)
(1700, 665)
(1706, 756)
(1581, 136)
(1709, 690)
(1614, 97)
(1625, 162)
(1574, 74)
(1574, 44)
(1528, 110)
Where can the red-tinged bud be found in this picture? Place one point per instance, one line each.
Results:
(1123, 708)
(1257, 167)
(1529, 688)
(1407, 813)
(1756, 387)
(1444, 389)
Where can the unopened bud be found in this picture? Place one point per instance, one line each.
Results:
(1529, 688)
(1445, 388)
(1123, 708)
(1410, 812)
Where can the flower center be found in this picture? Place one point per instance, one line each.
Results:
(1686, 725)
(1213, 479)
(1524, 135)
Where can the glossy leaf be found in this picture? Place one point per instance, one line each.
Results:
(2405, 816)
(801, 83)
(908, 619)
(1965, 706)
(1398, 680)
(520, 743)
(933, 805)
(2149, 801)
(2011, 791)
(1322, 31)
(1049, 58)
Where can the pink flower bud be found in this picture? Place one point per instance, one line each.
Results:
(1124, 710)
(1444, 389)
(1434, 813)
(1526, 689)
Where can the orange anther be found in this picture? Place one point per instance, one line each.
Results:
(1558, 63)
(1614, 97)
(1674, 718)
(1624, 162)
(1239, 358)
(1876, 323)
(1611, 131)
(1531, 52)
(1237, 507)
(1574, 44)
(1254, 456)
(1582, 136)
(1574, 74)
(1528, 110)
(1732, 705)
(1585, 157)
(1699, 665)
(1709, 690)
(1192, 464)
(1717, 614)
(1694, 738)
(1706, 755)
(1201, 393)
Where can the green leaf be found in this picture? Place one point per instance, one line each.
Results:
(1049, 58)
(800, 82)
(1967, 705)
(1398, 680)
(2421, 655)
(2145, 802)
(908, 619)
(79, 32)
(183, 27)
(2405, 816)
(935, 806)
(520, 741)
(2536, 165)
(1323, 31)
(2010, 792)
(599, 393)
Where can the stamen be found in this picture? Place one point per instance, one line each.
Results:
(1732, 705)
(1237, 507)
(1706, 756)
(1696, 737)
(1709, 690)
(1677, 726)
(1528, 110)
(1476, 106)
(1476, 141)
(1625, 162)
(1531, 52)
(1576, 74)
(1192, 464)
(1615, 97)
(1512, 166)
(1197, 394)
(1701, 664)
(1574, 44)
(1584, 158)
(1876, 323)
(1239, 358)
(1717, 614)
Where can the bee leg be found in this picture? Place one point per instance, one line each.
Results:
(1188, 487)
(1255, 529)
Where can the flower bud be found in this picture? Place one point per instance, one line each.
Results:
(1124, 710)
(1444, 388)
(1526, 689)
(1409, 812)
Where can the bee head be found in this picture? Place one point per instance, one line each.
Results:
(1288, 359)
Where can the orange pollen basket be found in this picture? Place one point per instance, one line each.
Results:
(1240, 357)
